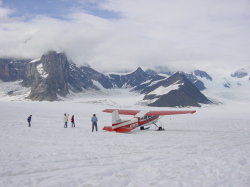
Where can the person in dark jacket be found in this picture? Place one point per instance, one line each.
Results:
(73, 121)
(29, 120)
(94, 122)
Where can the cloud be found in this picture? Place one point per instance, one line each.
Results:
(178, 34)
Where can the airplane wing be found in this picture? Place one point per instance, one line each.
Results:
(150, 113)
(163, 113)
(123, 112)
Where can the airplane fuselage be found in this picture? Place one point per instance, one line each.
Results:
(135, 122)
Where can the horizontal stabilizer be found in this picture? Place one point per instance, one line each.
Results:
(108, 128)
(120, 129)
(123, 129)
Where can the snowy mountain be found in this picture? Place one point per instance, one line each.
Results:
(195, 76)
(237, 79)
(176, 90)
(54, 77)
(129, 80)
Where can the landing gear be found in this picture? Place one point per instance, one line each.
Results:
(159, 128)
(143, 128)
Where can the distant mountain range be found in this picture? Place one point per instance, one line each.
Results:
(53, 76)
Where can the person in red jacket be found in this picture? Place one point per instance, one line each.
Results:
(73, 121)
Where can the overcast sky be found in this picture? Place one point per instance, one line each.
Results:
(116, 35)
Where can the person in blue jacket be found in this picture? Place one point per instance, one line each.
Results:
(94, 122)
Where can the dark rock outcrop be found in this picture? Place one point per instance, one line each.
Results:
(226, 84)
(129, 80)
(202, 74)
(54, 75)
(12, 69)
(198, 83)
(94, 75)
(240, 73)
(48, 77)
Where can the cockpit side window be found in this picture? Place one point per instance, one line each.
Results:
(146, 118)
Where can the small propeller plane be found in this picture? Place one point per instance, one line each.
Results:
(140, 119)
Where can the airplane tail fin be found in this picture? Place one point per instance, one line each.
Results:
(115, 117)
(116, 120)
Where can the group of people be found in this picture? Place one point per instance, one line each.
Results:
(66, 118)
(94, 120)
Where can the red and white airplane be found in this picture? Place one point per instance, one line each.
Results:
(140, 119)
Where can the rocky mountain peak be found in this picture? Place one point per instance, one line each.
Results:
(48, 77)
(54, 57)
(139, 70)
(177, 90)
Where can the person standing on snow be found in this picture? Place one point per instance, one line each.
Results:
(94, 122)
(29, 120)
(73, 121)
(65, 120)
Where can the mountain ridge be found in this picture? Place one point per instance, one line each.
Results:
(54, 76)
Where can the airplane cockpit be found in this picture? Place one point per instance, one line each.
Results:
(146, 118)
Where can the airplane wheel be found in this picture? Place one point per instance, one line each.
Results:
(141, 128)
(161, 129)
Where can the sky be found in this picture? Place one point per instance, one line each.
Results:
(120, 35)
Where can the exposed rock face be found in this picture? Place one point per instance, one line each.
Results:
(78, 81)
(176, 90)
(12, 69)
(240, 73)
(48, 77)
(202, 74)
(97, 76)
(226, 84)
(129, 80)
(198, 83)
(54, 75)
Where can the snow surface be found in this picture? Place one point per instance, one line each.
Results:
(13, 91)
(119, 73)
(35, 60)
(164, 90)
(145, 82)
(154, 82)
(208, 148)
(98, 85)
(239, 90)
(41, 71)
